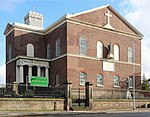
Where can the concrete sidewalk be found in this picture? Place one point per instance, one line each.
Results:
(46, 113)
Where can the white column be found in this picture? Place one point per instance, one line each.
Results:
(17, 73)
(38, 70)
(29, 73)
(21, 74)
(46, 72)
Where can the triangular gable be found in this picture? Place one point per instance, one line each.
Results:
(98, 16)
(8, 28)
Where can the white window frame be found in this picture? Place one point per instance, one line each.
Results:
(83, 77)
(30, 50)
(83, 46)
(99, 49)
(130, 54)
(100, 82)
(116, 84)
(130, 82)
(116, 52)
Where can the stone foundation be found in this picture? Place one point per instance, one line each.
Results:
(101, 104)
(31, 104)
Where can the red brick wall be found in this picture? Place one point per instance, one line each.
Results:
(74, 32)
(9, 40)
(59, 65)
(75, 65)
(97, 17)
(11, 72)
(51, 38)
(23, 38)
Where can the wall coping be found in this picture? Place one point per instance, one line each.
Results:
(119, 100)
(31, 99)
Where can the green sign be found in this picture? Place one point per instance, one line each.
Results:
(39, 81)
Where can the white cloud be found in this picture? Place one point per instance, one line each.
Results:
(137, 12)
(2, 74)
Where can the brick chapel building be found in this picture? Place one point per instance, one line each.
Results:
(98, 46)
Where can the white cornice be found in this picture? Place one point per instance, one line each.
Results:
(102, 59)
(56, 26)
(25, 26)
(71, 55)
(29, 31)
(9, 31)
(29, 58)
(88, 11)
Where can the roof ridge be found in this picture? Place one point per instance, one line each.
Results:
(87, 11)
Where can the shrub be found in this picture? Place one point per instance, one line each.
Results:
(28, 93)
(13, 94)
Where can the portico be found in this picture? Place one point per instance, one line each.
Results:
(33, 67)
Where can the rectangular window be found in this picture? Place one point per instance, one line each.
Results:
(99, 80)
(82, 78)
(57, 80)
(130, 54)
(116, 81)
(83, 46)
(130, 82)
(58, 51)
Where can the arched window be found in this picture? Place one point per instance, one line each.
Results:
(82, 78)
(100, 80)
(116, 52)
(130, 54)
(58, 48)
(48, 51)
(9, 52)
(116, 81)
(99, 50)
(30, 50)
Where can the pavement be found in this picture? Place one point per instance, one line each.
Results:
(46, 113)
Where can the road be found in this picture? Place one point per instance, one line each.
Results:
(75, 114)
(131, 114)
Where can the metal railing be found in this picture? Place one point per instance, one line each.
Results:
(6, 90)
(102, 93)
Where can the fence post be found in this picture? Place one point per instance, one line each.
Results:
(68, 99)
(15, 87)
(89, 94)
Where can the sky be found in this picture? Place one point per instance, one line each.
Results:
(135, 11)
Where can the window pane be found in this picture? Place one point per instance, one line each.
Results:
(116, 52)
(58, 48)
(82, 78)
(48, 51)
(30, 50)
(116, 81)
(9, 52)
(83, 45)
(99, 49)
(130, 54)
(57, 79)
(130, 82)
(99, 80)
